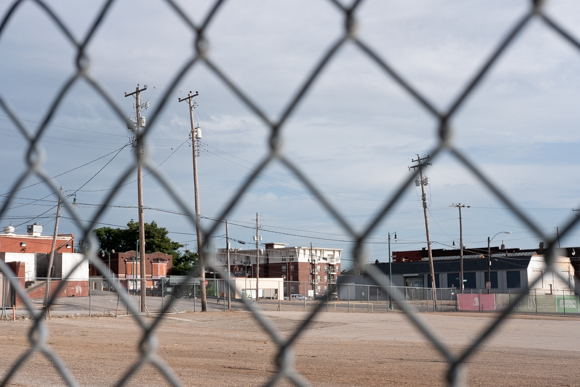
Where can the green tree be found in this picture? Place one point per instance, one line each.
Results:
(184, 263)
(125, 239)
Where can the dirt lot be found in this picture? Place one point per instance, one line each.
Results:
(339, 349)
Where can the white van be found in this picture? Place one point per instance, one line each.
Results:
(297, 297)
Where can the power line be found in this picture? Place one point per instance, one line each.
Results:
(63, 173)
(147, 174)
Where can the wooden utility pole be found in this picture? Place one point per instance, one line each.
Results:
(139, 146)
(51, 257)
(257, 237)
(422, 164)
(228, 263)
(194, 137)
(460, 206)
(313, 271)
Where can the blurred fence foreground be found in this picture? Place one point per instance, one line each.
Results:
(407, 300)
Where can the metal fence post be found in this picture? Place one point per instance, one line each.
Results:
(128, 296)
(368, 299)
(305, 293)
(348, 291)
(90, 287)
(564, 301)
(194, 297)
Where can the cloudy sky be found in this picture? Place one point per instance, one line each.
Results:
(354, 133)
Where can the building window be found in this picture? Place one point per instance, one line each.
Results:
(318, 288)
(513, 279)
(452, 280)
(493, 279)
(283, 268)
(318, 278)
(469, 280)
(325, 278)
(318, 268)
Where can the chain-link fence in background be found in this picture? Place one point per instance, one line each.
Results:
(199, 57)
(103, 300)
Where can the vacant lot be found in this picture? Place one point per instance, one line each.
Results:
(216, 349)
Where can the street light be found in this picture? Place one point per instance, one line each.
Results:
(391, 270)
(489, 257)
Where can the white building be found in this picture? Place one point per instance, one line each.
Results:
(307, 270)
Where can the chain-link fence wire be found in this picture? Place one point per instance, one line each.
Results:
(35, 159)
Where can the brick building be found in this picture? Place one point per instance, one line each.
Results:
(307, 270)
(127, 266)
(27, 256)
(34, 242)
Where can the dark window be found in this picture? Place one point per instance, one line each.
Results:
(469, 280)
(414, 282)
(493, 279)
(453, 280)
(437, 282)
(513, 279)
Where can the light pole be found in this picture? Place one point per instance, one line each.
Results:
(391, 270)
(110, 271)
(489, 258)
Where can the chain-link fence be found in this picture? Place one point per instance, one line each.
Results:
(199, 57)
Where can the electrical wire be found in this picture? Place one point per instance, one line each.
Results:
(63, 173)
(148, 173)
(91, 178)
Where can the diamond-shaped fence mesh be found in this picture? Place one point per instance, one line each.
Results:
(199, 57)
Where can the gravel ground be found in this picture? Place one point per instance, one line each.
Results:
(338, 349)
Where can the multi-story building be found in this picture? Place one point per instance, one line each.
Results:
(307, 270)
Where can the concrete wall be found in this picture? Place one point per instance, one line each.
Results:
(64, 264)
(249, 284)
(550, 282)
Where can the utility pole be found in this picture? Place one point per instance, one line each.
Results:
(313, 271)
(391, 270)
(460, 206)
(257, 238)
(139, 145)
(51, 257)
(195, 135)
(228, 263)
(421, 163)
